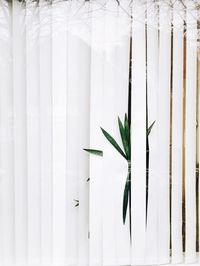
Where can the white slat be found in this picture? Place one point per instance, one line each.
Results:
(81, 78)
(114, 165)
(190, 137)
(33, 132)
(163, 124)
(96, 139)
(110, 175)
(20, 147)
(59, 105)
(6, 139)
(121, 83)
(177, 139)
(45, 62)
(151, 255)
(138, 138)
(72, 136)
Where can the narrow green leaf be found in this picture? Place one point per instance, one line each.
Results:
(123, 137)
(125, 197)
(113, 142)
(77, 202)
(126, 118)
(94, 152)
(127, 133)
(150, 128)
(121, 127)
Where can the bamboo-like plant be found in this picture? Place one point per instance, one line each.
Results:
(125, 152)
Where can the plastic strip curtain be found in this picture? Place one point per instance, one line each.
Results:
(64, 73)
(66, 70)
(165, 225)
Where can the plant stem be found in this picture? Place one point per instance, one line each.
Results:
(129, 121)
(147, 138)
(147, 175)
(129, 198)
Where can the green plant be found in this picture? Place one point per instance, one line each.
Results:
(125, 152)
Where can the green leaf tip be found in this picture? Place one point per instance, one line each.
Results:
(150, 128)
(77, 202)
(113, 142)
(94, 152)
(125, 118)
(124, 137)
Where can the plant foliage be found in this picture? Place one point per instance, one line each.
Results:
(125, 152)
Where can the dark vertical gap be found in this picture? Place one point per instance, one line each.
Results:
(147, 139)
(183, 144)
(130, 82)
(170, 148)
(129, 120)
(197, 158)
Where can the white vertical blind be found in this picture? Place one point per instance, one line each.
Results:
(66, 69)
(59, 132)
(138, 138)
(33, 133)
(164, 135)
(109, 174)
(6, 143)
(19, 133)
(115, 166)
(73, 147)
(78, 82)
(45, 107)
(111, 170)
(190, 139)
(177, 140)
(96, 103)
(81, 55)
(152, 92)
(121, 83)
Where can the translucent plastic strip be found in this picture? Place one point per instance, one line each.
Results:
(121, 84)
(33, 132)
(163, 127)
(72, 136)
(6, 139)
(151, 256)
(80, 59)
(138, 139)
(96, 138)
(177, 140)
(112, 159)
(59, 105)
(20, 145)
(190, 138)
(45, 94)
